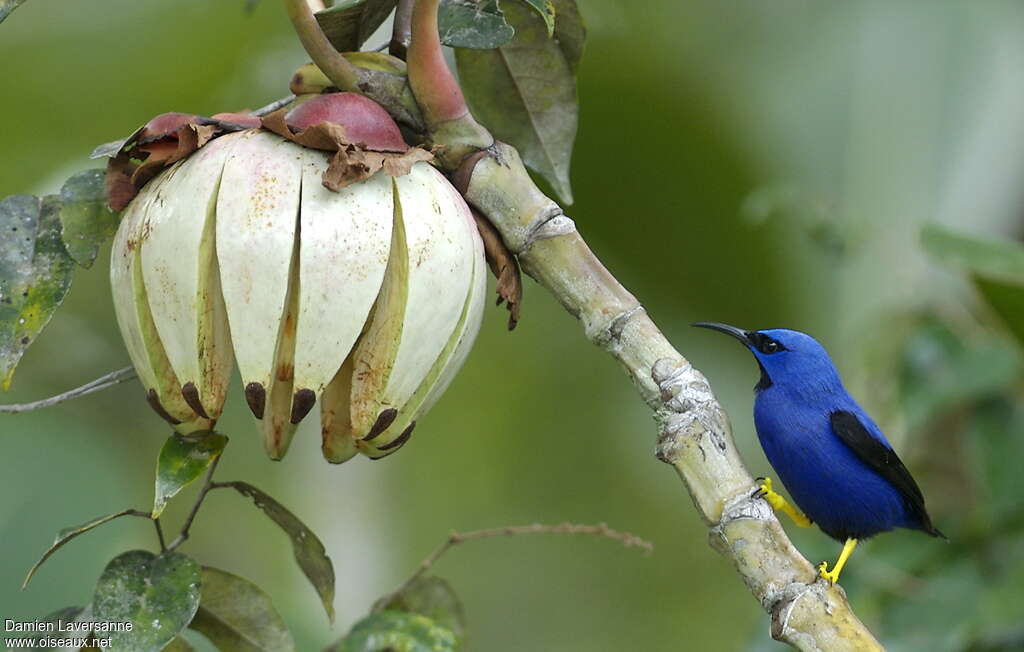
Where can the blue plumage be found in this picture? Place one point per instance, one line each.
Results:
(830, 455)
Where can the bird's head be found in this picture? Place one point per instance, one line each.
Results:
(785, 357)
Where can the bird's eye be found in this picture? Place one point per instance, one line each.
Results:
(771, 346)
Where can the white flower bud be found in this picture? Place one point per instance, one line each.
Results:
(365, 300)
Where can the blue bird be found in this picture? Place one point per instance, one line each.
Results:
(831, 456)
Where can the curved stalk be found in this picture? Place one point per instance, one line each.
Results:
(344, 75)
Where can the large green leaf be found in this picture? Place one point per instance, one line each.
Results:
(237, 615)
(349, 23)
(309, 551)
(397, 631)
(434, 598)
(525, 93)
(182, 460)
(477, 24)
(996, 266)
(35, 274)
(7, 6)
(69, 533)
(158, 595)
(86, 220)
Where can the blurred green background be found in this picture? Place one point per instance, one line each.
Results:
(765, 164)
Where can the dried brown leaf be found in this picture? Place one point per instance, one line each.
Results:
(352, 162)
(504, 266)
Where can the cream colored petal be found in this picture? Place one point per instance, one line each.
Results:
(257, 212)
(135, 320)
(437, 267)
(451, 358)
(179, 268)
(345, 238)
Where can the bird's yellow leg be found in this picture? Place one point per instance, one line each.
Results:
(833, 576)
(780, 504)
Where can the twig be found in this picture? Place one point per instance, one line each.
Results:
(401, 32)
(111, 379)
(274, 106)
(455, 538)
(159, 533)
(207, 486)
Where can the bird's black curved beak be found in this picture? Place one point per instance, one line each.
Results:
(738, 333)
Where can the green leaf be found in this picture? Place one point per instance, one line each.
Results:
(476, 24)
(1001, 260)
(525, 93)
(995, 266)
(69, 533)
(7, 6)
(237, 615)
(86, 220)
(35, 274)
(184, 458)
(397, 631)
(434, 598)
(546, 10)
(309, 551)
(158, 595)
(570, 32)
(350, 22)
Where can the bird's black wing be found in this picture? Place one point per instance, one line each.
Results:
(884, 461)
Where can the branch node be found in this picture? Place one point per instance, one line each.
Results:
(611, 334)
(689, 408)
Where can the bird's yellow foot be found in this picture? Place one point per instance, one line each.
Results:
(778, 503)
(831, 576)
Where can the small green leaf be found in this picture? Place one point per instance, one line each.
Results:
(476, 24)
(309, 551)
(7, 6)
(86, 220)
(35, 274)
(184, 458)
(349, 23)
(525, 93)
(397, 631)
(546, 10)
(434, 598)
(995, 266)
(69, 533)
(237, 615)
(158, 595)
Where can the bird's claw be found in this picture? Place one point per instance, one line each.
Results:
(764, 488)
(830, 576)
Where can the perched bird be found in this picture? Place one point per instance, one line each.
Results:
(831, 456)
